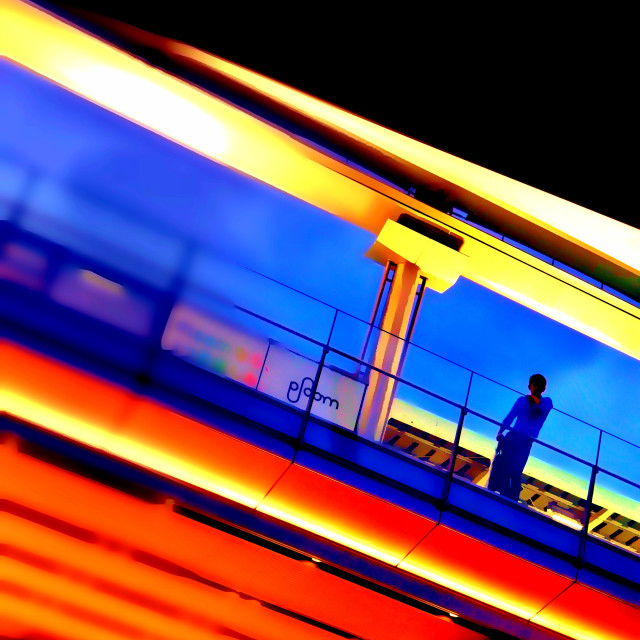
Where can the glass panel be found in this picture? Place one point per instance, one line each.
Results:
(261, 295)
(570, 435)
(490, 398)
(354, 337)
(620, 457)
(385, 351)
(289, 377)
(556, 485)
(477, 448)
(435, 374)
(339, 396)
(406, 419)
(616, 513)
(517, 468)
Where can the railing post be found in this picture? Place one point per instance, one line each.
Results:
(587, 509)
(454, 451)
(333, 324)
(312, 395)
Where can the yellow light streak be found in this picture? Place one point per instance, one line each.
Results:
(464, 588)
(330, 533)
(551, 311)
(155, 104)
(588, 228)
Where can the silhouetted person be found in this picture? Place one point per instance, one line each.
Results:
(513, 448)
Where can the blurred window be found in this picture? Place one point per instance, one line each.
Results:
(13, 180)
(100, 298)
(102, 233)
(23, 265)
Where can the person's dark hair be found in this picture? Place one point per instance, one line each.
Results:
(538, 380)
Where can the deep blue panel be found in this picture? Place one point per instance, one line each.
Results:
(509, 515)
(375, 458)
(615, 561)
(211, 395)
(30, 314)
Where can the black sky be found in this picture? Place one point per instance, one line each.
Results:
(544, 98)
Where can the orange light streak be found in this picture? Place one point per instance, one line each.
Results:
(301, 497)
(330, 532)
(105, 417)
(343, 514)
(463, 587)
(483, 572)
(124, 524)
(31, 616)
(101, 606)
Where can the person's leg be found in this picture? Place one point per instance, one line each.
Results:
(519, 454)
(496, 475)
(503, 469)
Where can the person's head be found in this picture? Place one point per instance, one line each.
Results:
(537, 384)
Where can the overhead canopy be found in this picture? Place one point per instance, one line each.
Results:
(283, 137)
(601, 247)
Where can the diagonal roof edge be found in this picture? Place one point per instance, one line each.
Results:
(601, 247)
(442, 170)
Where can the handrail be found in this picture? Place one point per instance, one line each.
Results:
(417, 387)
(461, 407)
(422, 348)
(409, 343)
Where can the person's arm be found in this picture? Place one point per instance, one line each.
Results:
(511, 416)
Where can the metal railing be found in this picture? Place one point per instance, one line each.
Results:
(328, 349)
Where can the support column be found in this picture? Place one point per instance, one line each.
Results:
(424, 253)
(389, 349)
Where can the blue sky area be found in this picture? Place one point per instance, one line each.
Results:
(104, 187)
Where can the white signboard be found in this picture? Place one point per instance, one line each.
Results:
(214, 345)
(289, 377)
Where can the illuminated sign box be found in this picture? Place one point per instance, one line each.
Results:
(289, 377)
(216, 346)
